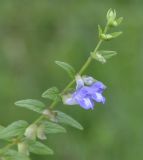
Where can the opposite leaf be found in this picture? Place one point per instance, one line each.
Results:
(67, 67)
(31, 104)
(66, 119)
(39, 148)
(15, 129)
(51, 93)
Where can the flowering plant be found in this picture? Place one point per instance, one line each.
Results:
(88, 91)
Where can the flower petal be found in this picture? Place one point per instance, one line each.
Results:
(88, 80)
(79, 82)
(86, 103)
(98, 97)
(69, 100)
(98, 87)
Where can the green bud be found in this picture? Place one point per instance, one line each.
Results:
(106, 36)
(31, 132)
(98, 57)
(103, 55)
(41, 132)
(111, 16)
(23, 148)
(50, 115)
(110, 36)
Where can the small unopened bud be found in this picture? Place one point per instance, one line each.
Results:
(41, 132)
(88, 80)
(100, 58)
(51, 115)
(23, 148)
(111, 16)
(31, 132)
(106, 36)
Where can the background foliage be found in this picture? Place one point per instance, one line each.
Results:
(33, 34)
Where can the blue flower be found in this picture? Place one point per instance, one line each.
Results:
(88, 91)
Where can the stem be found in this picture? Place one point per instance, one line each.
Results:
(83, 68)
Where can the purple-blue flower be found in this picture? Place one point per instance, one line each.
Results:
(88, 91)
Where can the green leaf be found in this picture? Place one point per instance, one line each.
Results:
(107, 54)
(31, 104)
(119, 20)
(67, 67)
(52, 93)
(115, 34)
(39, 148)
(15, 129)
(53, 128)
(14, 155)
(66, 119)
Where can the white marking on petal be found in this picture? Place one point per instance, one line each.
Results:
(69, 100)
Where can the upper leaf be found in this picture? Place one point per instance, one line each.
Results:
(67, 67)
(15, 129)
(53, 128)
(51, 93)
(39, 148)
(31, 104)
(66, 119)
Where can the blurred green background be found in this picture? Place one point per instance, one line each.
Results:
(35, 33)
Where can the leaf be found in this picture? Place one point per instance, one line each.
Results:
(15, 129)
(14, 155)
(53, 128)
(51, 93)
(39, 148)
(66, 119)
(107, 54)
(119, 20)
(67, 67)
(31, 104)
(115, 34)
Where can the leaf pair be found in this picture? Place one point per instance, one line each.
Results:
(102, 55)
(39, 107)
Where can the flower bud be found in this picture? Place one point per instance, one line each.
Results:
(111, 16)
(23, 148)
(31, 132)
(100, 58)
(41, 132)
(106, 36)
(51, 115)
(88, 80)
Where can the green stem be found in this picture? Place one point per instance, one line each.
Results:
(83, 68)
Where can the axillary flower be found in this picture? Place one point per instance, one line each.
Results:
(88, 91)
